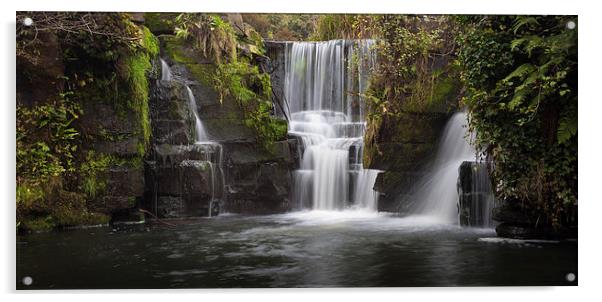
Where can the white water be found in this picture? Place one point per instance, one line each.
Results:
(437, 195)
(211, 152)
(483, 201)
(165, 72)
(324, 94)
(201, 135)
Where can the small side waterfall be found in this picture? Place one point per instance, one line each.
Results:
(365, 196)
(165, 72)
(476, 198)
(208, 154)
(437, 193)
(201, 135)
(212, 155)
(324, 86)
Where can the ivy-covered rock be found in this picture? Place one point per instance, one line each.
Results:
(520, 74)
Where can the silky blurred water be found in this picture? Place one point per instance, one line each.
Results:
(301, 249)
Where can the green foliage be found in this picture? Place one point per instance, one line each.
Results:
(521, 79)
(137, 68)
(253, 90)
(237, 78)
(28, 193)
(46, 139)
(92, 181)
(106, 59)
(39, 224)
(343, 26)
(235, 74)
(415, 71)
(150, 42)
(212, 36)
(160, 23)
(284, 27)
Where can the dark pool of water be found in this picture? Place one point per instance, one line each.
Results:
(310, 249)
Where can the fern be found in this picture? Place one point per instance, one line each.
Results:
(520, 72)
(567, 128)
(522, 21)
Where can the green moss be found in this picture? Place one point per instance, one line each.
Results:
(38, 224)
(160, 23)
(204, 73)
(28, 194)
(444, 89)
(138, 66)
(70, 216)
(150, 42)
(175, 49)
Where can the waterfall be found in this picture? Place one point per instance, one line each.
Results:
(437, 194)
(483, 200)
(201, 135)
(165, 71)
(476, 199)
(365, 196)
(324, 87)
(210, 153)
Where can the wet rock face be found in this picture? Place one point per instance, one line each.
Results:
(170, 114)
(475, 196)
(105, 127)
(257, 181)
(185, 179)
(45, 80)
(276, 68)
(401, 146)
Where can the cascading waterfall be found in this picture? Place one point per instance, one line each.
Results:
(211, 152)
(437, 195)
(324, 86)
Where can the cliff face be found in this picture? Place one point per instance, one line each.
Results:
(81, 122)
(235, 170)
(100, 135)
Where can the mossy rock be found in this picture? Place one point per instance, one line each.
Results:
(37, 224)
(64, 216)
(446, 91)
(177, 49)
(160, 23)
(180, 52)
